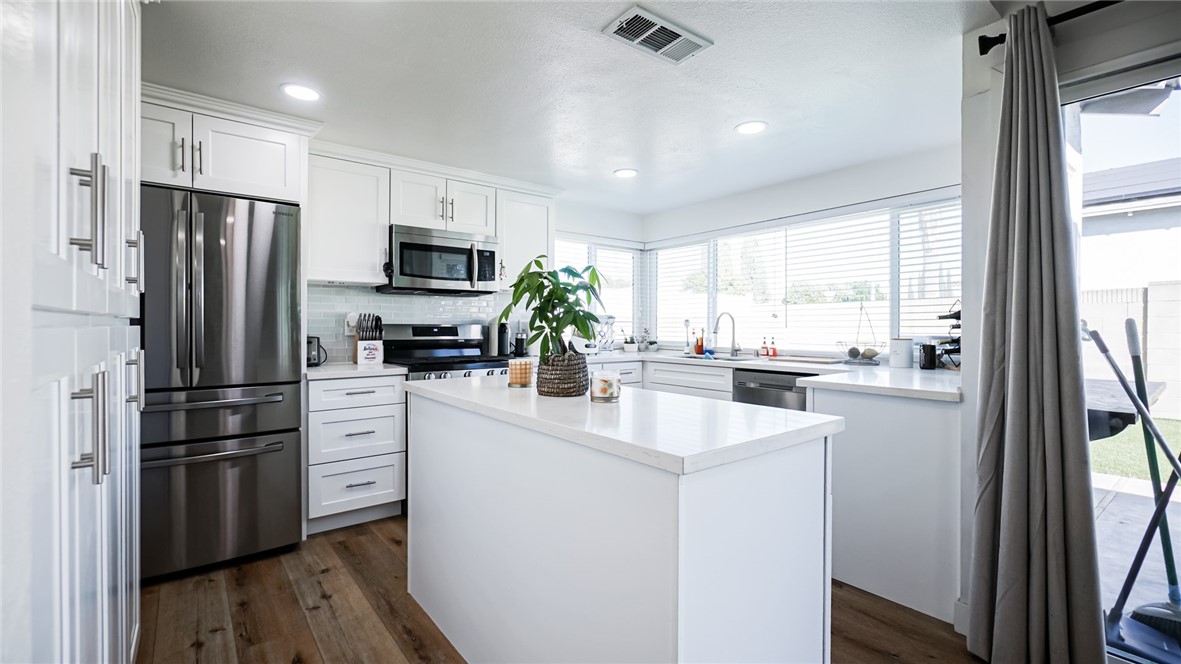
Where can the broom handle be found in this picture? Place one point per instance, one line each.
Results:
(1166, 539)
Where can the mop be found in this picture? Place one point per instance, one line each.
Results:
(1152, 630)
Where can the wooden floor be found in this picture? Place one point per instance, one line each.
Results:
(341, 597)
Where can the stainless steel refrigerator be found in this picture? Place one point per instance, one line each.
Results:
(220, 452)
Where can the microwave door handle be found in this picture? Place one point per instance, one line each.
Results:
(475, 266)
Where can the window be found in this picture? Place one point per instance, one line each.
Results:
(618, 270)
(856, 279)
(683, 277)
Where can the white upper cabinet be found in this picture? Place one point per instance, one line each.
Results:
(346, 221)
(418, 200)
(238, 158)
(164, 155)
(185, 149)
(526, 230)
(471, 208)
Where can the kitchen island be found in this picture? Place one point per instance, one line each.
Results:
(660, 528)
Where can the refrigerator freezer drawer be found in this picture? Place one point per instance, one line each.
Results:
(186, 415)
(209, 502)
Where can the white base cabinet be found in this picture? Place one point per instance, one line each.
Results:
(356, 448)
(896, 497)
(699, 381)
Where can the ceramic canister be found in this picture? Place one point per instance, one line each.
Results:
(902, 353)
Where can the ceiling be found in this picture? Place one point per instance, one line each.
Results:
(535, 91)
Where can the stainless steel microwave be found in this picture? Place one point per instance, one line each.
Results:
(431, 261)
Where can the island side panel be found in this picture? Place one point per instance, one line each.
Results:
(754, 583)
(528, 548)
(895, 493)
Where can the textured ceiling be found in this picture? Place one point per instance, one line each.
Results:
(534, 90)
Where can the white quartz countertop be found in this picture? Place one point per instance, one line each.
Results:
(935, 385)
(677, 433)
(349, 370)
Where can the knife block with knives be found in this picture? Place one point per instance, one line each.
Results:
(367, 333)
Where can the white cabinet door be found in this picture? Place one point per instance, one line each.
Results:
(31, 150)
(80, 163)
(86, 529)
(347, 221)
(165, 147)
(133, 376)
(418, 200)
(525, 227)
(471, 208)
(128, 244)
(239, 158)
(112, 146)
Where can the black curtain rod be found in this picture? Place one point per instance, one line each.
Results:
(988, 43)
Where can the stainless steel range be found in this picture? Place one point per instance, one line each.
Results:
(433, 352)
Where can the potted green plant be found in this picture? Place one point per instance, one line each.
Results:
(630, 345)
(557, 300)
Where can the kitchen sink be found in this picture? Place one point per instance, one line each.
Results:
(722, 358)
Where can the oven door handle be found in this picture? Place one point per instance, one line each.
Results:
(276, 446)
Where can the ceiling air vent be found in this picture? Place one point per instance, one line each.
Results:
(655, 36)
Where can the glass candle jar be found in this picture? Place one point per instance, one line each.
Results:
(520, 372)
(604, 386)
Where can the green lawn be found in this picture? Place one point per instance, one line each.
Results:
(1123, 455)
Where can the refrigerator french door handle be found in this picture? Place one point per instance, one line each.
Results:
(180, 284)
(198, 322)
(219, 403)
(276, 446)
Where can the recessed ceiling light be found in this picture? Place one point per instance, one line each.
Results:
(626, 173)
(301, 92)
(752, 127)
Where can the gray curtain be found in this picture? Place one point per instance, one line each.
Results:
(1034, 589)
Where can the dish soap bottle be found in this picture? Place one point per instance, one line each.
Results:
(773, 350)
(764, 350)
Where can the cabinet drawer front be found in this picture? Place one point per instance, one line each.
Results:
(352, 433)
(629, 372)
(349, 485)
(691, 391)
(703, 378)
(355, 392)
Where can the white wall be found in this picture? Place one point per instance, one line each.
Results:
(857, 184)
(594, 221)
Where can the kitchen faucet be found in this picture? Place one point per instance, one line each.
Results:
(735, 349)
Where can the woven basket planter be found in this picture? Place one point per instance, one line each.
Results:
(562, 376)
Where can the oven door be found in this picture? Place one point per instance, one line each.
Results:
(442, 261)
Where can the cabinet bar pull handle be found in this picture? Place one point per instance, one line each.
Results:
(452, 209)
(138, 245)
(359, 433)
(200, 157)
(92, 178)
(443, 208)
(98, 419)
(349, 394)
(140, 380)
(350, 486)
(182, 154)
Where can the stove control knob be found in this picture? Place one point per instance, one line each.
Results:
(504, 372)
(445, 374)
(429, 376)
(491, 372)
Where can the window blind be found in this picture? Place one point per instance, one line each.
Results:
(750, 286)
(929, 273)
(570, 253)
(682, 282)
(617, 269)
(837, 283)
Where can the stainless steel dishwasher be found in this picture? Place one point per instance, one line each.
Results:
(770, 388)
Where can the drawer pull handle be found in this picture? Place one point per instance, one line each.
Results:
(351, 486)
(359, 433)
(350, 394)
